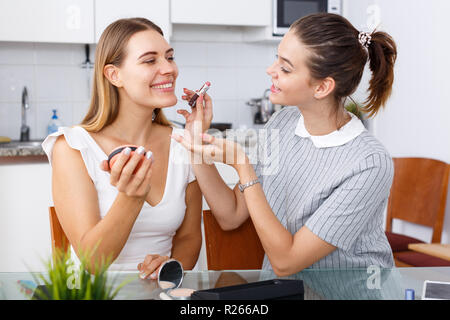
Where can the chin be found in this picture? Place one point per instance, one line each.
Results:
(170, 102)
(275, 99)
(164, 102)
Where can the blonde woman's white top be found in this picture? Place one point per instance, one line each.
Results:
(154, 227)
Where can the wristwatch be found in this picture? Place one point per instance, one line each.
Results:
(242, 187)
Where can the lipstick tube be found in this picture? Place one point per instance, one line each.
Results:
(202, 91)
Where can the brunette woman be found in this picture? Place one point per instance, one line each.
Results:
(317, 200)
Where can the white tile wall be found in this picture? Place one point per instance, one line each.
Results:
(55, 80)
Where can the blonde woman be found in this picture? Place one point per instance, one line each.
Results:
(139, 218)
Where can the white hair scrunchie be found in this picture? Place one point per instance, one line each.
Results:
(365, 39)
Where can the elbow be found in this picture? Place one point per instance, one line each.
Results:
(284, 269)
(228, 225)
(281, 272)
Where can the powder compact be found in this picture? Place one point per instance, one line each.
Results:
(114, 155)
(170, 278)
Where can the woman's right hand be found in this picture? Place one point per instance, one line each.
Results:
(123, 175)
(199, 120)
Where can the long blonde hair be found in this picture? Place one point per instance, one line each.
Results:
(104, 105)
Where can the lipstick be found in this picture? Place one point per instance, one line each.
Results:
(200, 91)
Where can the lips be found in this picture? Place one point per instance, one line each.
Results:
(163, 86)
(274, 89)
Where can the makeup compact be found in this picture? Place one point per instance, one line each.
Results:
(201, 91)
(275, 289)
(114, 155)
(170, 278)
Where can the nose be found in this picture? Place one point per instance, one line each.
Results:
(168, 67)
(271, 70)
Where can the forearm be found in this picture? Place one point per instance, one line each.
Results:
(111, 233)
(277, 248)
(186, 250)
(221, 199)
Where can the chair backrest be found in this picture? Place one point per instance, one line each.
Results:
(59, 238)
(238, 249)
(419, 193)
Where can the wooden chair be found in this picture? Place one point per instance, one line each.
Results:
(238, 249)
(418, 195)
(59, 238)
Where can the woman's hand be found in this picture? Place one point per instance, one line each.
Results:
(199, 120)
(216, 149)
(124, 176)
(151, 265)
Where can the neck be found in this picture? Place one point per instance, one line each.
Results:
(133, 123)
(322, 118)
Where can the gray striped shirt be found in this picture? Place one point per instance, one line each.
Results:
(339, 193)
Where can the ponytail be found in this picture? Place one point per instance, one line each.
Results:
(382, 56)
(340, 51)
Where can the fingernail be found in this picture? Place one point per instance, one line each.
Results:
(142, 275)
(127, 151)
(148, 155)
(153, 275)
(140, 150)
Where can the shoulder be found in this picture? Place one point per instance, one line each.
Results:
(375, 162)
(65, 141)
(365, 154)
(370, 148)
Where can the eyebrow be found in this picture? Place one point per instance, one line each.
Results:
(154, 52)
(286, 60)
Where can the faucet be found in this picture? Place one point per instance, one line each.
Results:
(24, 129)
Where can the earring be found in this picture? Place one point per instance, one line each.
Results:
(153, 115)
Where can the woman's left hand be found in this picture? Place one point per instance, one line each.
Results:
(216, 150)
(151, 265)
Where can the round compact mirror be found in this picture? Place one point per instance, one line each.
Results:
(170, 275)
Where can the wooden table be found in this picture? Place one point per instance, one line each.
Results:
(438, 250)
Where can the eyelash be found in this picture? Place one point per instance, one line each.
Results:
(153, 60)
(281, 67)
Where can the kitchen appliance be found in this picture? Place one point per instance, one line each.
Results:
(285, 12)
(264, 108)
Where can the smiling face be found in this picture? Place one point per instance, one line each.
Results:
(148, 73)
(292, 84)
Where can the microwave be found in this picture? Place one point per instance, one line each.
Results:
(285, 12)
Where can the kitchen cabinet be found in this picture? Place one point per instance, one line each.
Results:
(65, 21)
(25, 195)
(220, 12)
(108, 11)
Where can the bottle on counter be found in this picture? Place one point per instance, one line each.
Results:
(54, 123)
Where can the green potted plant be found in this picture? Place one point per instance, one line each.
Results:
(64, 280)
(356, 108)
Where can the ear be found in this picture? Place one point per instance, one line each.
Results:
(324, 88)
(111, 73)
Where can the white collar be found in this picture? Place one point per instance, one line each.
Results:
(348, 132)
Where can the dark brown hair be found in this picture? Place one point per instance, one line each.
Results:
(336, 52)
(111, 49)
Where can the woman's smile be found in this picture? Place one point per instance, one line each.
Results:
(275, 89)
(167, 86)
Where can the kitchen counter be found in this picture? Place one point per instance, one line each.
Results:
(16, 152)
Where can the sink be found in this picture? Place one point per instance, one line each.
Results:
(21, 144)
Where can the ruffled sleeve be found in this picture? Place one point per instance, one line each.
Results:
(75, 139)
